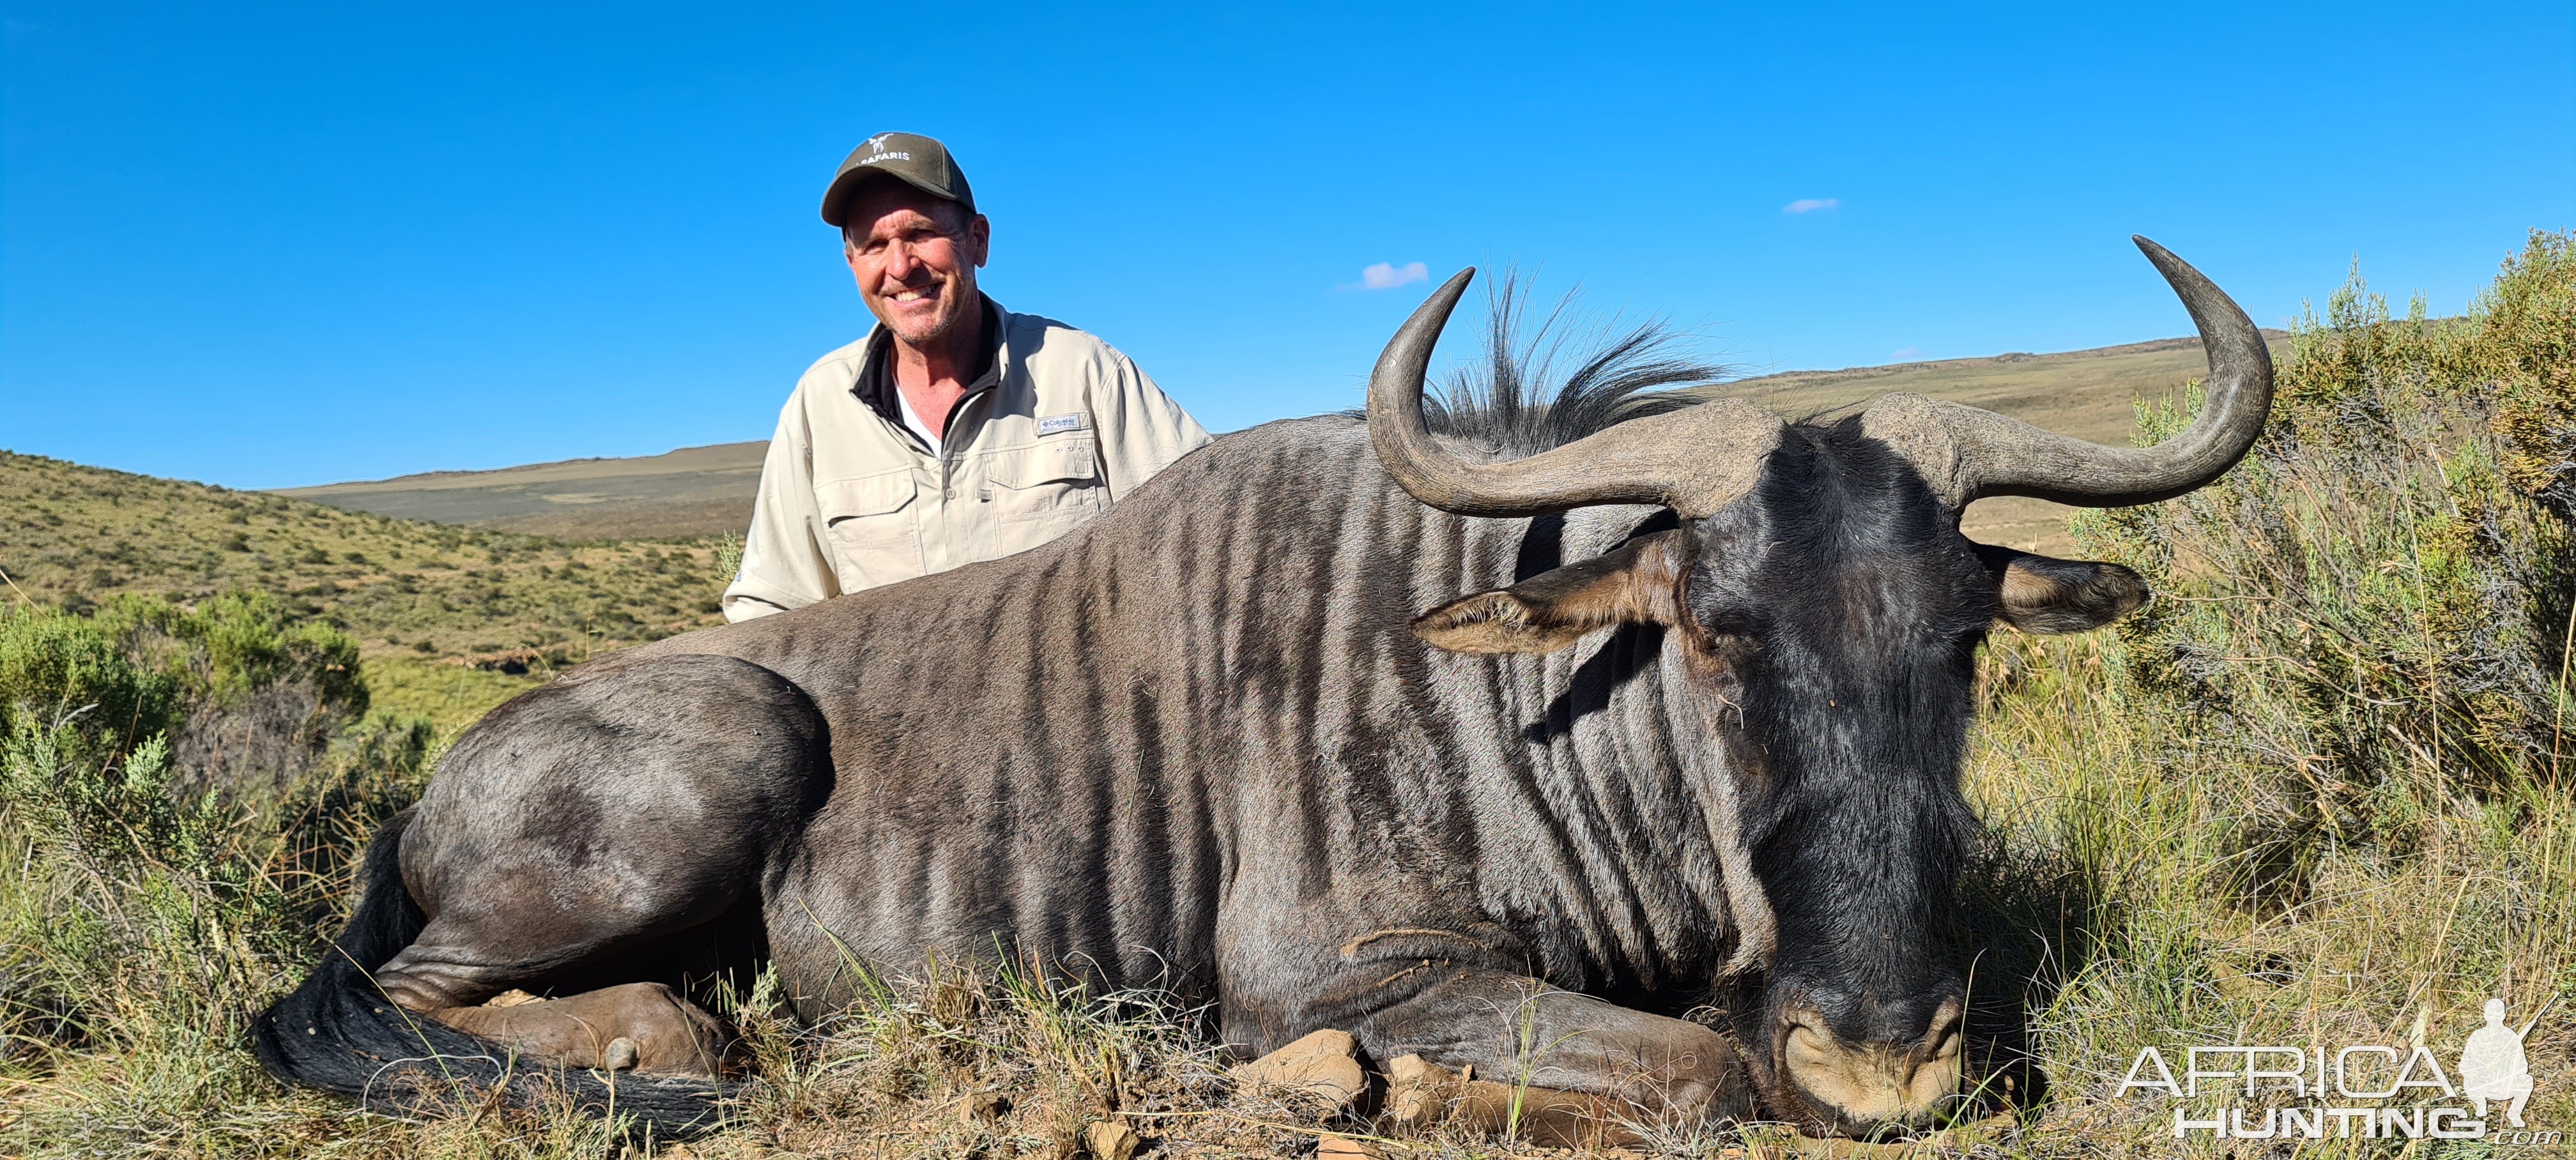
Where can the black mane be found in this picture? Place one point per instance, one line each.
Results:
(1503, 400)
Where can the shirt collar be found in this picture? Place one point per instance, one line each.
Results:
(875, 385)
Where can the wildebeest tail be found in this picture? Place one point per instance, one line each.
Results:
(339, 1032)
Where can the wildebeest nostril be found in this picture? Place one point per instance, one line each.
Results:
(1880, 1078)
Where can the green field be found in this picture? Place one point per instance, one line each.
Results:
(2321, 792)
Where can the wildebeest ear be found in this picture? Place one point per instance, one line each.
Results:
(1639, 582)
(2046, 594)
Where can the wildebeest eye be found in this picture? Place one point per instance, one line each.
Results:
(1732, 622)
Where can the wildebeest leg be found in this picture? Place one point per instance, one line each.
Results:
(590, 828)
(1578, 1068)
(1575, 1068)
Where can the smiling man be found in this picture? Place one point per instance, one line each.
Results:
(956, 431)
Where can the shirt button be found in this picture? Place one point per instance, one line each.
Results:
(952, 493)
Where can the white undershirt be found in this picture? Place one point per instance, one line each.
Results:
(912, 419)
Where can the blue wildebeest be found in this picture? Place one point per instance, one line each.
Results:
(1685, 717)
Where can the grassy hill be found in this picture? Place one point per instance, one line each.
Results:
(444, 614)
(707, 491)
(694, 491)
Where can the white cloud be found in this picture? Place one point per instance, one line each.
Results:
(1388, 276)
(1811, 205)
(1906, 352)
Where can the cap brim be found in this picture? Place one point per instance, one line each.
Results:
(836, 200)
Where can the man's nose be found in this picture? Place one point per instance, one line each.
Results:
(901, 260)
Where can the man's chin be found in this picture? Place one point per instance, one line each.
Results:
(918, 328)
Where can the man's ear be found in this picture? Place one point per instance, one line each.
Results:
(1640, 582)
(2043, 594)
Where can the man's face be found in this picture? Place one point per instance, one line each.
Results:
(914, 256)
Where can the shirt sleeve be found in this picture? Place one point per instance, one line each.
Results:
(1141, 429)
(786, 561)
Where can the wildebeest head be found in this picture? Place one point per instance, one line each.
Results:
(1828, 612)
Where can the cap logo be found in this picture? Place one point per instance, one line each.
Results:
(877, 151)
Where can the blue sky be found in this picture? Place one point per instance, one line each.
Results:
(265, 245)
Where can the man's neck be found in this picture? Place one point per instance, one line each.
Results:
(934, 377)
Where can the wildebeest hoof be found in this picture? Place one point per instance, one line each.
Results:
(1111, 1140)
(1323, 1066)
(1418, 1092)
(661, 1033)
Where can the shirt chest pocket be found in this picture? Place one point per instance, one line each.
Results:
(1057, 479)
(870, 523)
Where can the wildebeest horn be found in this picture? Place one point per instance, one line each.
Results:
(1968, 453)
(1694, 460)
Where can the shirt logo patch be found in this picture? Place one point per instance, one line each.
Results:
(1056, 423)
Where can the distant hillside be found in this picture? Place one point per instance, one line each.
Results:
(76, 535)
(706, 491)
(695, 491)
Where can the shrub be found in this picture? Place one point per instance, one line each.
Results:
(149, 914)
(2368, 619)
(58, 669)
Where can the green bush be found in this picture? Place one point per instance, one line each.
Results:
(146, 915)
(2368, 619)
(58, 669)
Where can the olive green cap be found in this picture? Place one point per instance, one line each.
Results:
(910, 158)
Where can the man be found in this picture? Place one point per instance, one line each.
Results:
(956, 431)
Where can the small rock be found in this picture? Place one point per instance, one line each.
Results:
(620, 1055)
(1336, 1148)
(981, 1106)
(1111, 1140)
(1323, 1066)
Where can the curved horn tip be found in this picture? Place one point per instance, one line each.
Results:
(2166, 261)
(1456, 285)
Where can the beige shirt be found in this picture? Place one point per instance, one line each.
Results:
(1059, 428)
